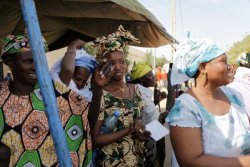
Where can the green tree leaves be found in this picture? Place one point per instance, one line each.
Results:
(238, 48)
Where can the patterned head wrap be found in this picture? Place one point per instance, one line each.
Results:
(190, 53)
(113, 42)
(139, 70)
(244, 59)
(17, 44)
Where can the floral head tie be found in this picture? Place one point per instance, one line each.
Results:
(113, 42)
(17, 44)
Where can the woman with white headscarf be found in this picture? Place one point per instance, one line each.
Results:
(208, 124)
(74, 69)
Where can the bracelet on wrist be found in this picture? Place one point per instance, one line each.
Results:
(70, 51)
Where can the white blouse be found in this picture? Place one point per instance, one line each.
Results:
(149, 112)
(225, 136)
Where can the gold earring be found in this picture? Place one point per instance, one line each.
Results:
(204, 78)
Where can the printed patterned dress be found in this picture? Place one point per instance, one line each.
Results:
(127, 152)
(224, 136)
(24, 127)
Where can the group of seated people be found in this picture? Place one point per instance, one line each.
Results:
(209, 123)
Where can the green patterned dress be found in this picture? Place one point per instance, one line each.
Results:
(127, 151)
(24, 127)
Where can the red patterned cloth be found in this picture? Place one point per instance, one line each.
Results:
(24, 127)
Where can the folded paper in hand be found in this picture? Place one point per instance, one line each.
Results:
(157, 130)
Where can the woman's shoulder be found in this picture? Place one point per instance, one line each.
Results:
(137, 90)
(134, 89)
(185, 103)
(233, 95)
(185, 112)
(145, 92)
(187, 99)
(131, 85)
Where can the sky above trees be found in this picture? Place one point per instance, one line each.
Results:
(223, 21)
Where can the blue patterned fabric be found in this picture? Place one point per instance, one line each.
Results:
(226, 136)
(190, 53)
(83, 59)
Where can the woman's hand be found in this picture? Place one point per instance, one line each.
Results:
(102, 74)
(163, 116)
(230, 75)
(162, 95)
(100, 77)
(139, 131)
(159, 96)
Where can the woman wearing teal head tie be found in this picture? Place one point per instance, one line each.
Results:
(208, 124)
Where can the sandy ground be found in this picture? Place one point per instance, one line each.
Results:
(168, 146)
(167, 162)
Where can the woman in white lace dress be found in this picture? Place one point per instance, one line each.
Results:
(209, 124)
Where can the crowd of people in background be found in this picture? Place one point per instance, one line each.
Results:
(104, 108)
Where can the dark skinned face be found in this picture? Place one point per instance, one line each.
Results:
(117, 60)
(80, 77)
(218, 70)
(148, 80)
(23, 68)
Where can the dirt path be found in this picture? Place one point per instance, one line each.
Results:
(168, 145)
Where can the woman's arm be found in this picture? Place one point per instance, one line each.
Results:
(105, 139)
(188, 148)
(171, 93)
(94, 107)
(137, 130)
(68, 61)
(100, 77)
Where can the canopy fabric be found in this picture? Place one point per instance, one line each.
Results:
(61, 21)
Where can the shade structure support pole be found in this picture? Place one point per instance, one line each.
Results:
(45, 82)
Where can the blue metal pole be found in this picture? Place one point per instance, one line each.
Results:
(44, 80)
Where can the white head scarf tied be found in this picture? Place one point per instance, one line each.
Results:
(190, 53)
(82, 59)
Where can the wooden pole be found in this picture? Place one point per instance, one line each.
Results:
(45, 82)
